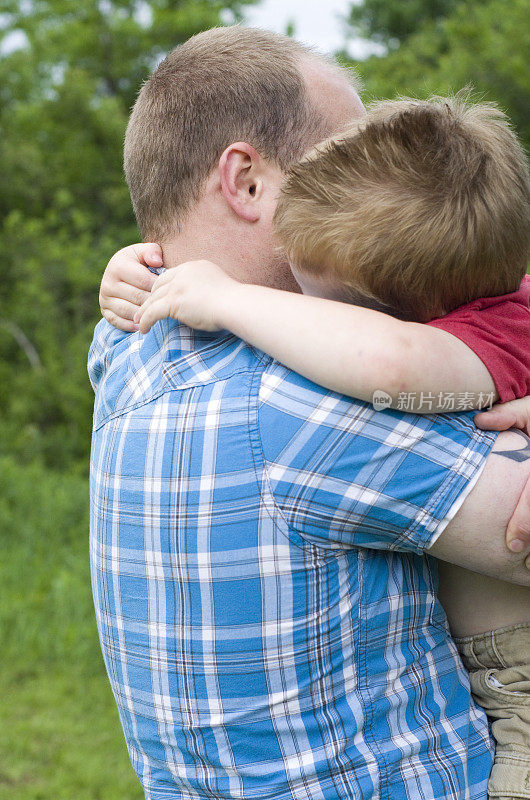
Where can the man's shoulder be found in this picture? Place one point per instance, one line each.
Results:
(283, 392)
(344, 472)
(297, 419)
(293, 410)
(130, 370)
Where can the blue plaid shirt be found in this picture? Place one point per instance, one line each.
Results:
(267, 613)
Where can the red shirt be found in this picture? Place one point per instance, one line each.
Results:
(497, 329)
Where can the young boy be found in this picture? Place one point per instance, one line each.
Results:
(420, 211)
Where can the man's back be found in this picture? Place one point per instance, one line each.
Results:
(268, 622)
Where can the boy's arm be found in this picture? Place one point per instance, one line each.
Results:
(349, 349)
(203, 296)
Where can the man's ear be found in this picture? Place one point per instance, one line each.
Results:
(241, 171)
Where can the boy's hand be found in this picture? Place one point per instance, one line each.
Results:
(126, 283)
(194, 293)
(515, 414)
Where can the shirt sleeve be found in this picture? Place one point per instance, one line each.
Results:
(498, 331)
(345, 475)
(106, 336)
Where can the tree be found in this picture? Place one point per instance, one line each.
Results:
(69, 73)
(447, 46)
(391, 22)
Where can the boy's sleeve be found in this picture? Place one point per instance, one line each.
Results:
(345, 475)
(498, 330)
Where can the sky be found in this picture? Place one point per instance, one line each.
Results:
(317, 22)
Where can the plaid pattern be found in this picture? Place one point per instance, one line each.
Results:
(268, 621)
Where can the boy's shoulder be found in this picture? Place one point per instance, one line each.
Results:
(497, 329)
(519, 298)
(482, 310)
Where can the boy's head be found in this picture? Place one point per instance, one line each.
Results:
(421, 207)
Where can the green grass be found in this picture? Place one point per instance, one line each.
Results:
(60, 737)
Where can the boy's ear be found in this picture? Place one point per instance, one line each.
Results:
(241, 175)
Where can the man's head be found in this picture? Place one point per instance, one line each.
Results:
(224, 115)
(421, 207)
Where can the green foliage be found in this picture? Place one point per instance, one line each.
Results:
(392, 21)
(64, 209)
(481, 43)
(65, 97)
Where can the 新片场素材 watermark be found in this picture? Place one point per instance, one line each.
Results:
(442, 402)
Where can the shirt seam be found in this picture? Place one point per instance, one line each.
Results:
(255, 441)
(255, 424)
(166, 390)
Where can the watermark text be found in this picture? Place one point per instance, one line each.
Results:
(440, 403)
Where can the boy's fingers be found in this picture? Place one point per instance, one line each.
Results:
(153, 313)
(161, 291)
(166, 277)
(122, 309)
(141, 311)
(119, 322)
(178, 276)
(127, 271)
(137, 275)
(153, 297)
(149, 254)
(159, 299)
(125, 291)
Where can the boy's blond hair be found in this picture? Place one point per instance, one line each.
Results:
(422, 206)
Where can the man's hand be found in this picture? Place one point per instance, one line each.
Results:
(126, 283)
(194, 293)
(515, 414)
(475, 538)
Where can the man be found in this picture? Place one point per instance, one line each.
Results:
(267, 616)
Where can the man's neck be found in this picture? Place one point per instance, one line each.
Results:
(182, 249)
(230, 253)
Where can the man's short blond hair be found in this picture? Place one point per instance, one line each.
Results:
(221, 86)
(423, 206)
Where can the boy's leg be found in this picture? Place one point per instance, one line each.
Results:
(490, 621)
(499, 669)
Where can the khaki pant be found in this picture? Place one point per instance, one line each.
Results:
(498, 663)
